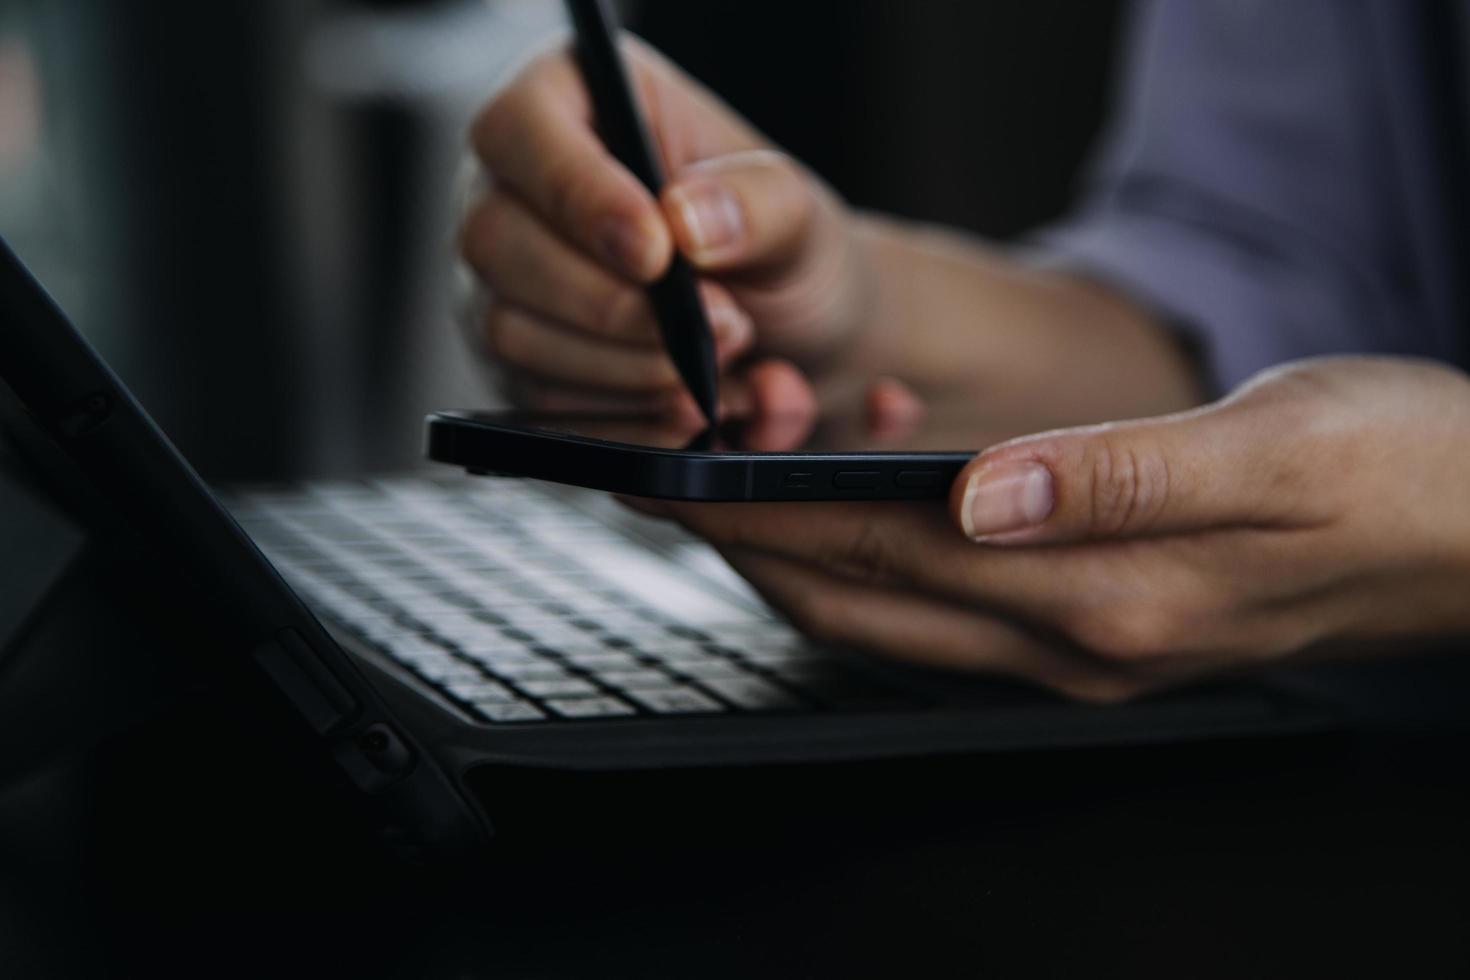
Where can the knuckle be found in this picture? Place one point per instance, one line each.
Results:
(548, 69)
(800, 200)
(659, 381)
(1098, 688)
(501, 336)
(642, 374)
(662, 375)
(618, 314)
(1130, 485)
(1133, 632)
(479, 232)
(490, 126)
(566, 187)
(788, 175)
(648, 373)
(793, 200)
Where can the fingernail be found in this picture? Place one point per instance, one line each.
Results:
(623, 244)
(711, 216)
(1008, 498)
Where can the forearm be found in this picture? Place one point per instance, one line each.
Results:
(967, 324)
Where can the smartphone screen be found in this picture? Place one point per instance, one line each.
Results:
(826, 434)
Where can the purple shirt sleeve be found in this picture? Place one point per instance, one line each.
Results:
(1250, 190)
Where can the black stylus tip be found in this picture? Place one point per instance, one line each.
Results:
(704, 385)
(709, 406)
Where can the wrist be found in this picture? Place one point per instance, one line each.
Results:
(1411, 510)
(1458, 491)
(964, 322)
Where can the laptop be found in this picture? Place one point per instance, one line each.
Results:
(426, 625)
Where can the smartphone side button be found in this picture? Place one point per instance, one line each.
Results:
(918, 479)
(798, 480)
(856, 479)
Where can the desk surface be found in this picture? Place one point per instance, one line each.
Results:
(1319, 857)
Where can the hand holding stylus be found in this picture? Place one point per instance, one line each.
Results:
(566, 240)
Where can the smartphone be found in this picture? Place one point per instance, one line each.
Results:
(739, 460)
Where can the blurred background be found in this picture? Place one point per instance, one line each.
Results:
(250, 205)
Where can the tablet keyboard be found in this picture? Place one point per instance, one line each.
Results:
(522, 607)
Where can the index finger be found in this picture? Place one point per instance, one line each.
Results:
(537, 137)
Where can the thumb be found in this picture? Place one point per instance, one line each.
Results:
(1211, 467)
(743, 210)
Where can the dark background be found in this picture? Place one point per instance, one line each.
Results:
(969, 114)
(247, 203)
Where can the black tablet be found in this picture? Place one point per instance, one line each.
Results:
(771, 459)
(86, 441)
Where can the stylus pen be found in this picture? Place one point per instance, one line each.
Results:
(675, 297)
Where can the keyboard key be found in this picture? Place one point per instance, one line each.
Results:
(508, 659)
(479, 690)
(398, 638)
(711, 668)
(504, 711)
(533, 616)
(762, 630)
(560, 637)
(605, 707)
(675, 701)
(603, 659)
(624, 623)
(407, 655)
(792, 653)
(629, 679)
(385, 633)
(494, 651)
(557, 687)
(752, 695)
(408, 646)
(674, 652)
(539, 670)
(461, 632)
(425, 610)
(447, 672)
